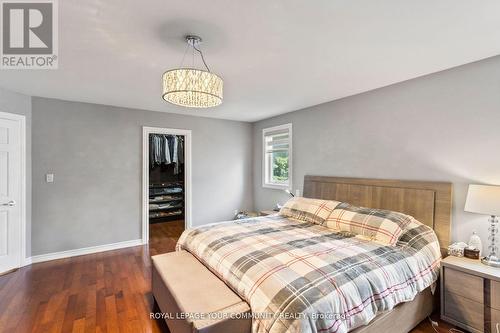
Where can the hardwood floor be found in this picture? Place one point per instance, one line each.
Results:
(163, 236)
(104, 292)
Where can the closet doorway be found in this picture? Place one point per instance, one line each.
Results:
(166, 180)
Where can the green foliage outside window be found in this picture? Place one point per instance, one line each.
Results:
(280, 166)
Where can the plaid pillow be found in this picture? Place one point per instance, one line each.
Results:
(384, 226)
(309, 210)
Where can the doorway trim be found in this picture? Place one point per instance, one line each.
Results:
(23, 260)
(145, 175)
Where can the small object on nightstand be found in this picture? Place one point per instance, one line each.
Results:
(471, 253)
(470, 294)
(475, 243)
(457, 249)
(267, 212)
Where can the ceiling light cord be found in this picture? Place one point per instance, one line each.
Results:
(192, 53)
(184, 56)
(202, 58)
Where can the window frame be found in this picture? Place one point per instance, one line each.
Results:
(265, 182)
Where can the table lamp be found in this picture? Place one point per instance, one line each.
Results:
(485, 199)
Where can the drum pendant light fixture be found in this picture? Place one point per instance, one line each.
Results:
(191, 87)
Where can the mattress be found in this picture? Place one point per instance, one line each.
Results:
(303, 277)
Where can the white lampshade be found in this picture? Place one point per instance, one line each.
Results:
(483, 199)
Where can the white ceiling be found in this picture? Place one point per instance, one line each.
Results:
(275, 56)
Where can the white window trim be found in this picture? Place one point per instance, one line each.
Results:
(290, 157)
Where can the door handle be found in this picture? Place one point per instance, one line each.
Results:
(11, 203)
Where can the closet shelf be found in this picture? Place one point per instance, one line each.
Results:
(157, 194)
(157, 215)
(167, 184)
(159, 199)
(165, 208)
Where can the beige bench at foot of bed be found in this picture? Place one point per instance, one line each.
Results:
(182, 285)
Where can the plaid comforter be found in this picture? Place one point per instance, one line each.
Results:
(302, 277)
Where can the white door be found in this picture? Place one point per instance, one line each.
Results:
(10, 191)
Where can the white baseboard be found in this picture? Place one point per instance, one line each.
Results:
(26, 262)
(82, 251)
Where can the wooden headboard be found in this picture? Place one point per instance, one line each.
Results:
(428, 202)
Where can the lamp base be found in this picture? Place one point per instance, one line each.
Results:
(490, 260)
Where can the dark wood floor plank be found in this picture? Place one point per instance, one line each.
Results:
(100, 293)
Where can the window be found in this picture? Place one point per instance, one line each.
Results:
(277, 157)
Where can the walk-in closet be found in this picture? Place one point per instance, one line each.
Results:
(166, 178)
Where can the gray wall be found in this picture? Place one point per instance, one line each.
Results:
(21, 104)
(95, 152)
(441, 127)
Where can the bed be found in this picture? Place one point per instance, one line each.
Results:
(312, 279)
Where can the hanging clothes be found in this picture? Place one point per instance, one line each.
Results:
(171, 147)
(180, 150)
(156, 150)
(166, 149)
(175, 159)
(166, 152)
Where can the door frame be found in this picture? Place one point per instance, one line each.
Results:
(145, 175)
(23, 260)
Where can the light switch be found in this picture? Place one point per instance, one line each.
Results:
(49, 177)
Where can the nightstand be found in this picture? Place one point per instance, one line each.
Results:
(267, 212)
(470, 294)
